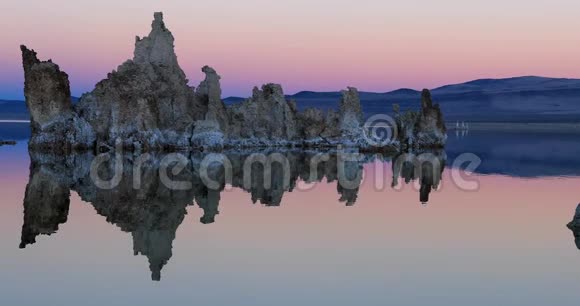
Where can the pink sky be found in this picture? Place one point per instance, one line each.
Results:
(304, 45)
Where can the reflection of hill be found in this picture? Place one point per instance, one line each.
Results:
(530, 154)
(151, 206)
(14, 131)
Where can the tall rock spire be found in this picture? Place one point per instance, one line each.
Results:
(157, 48)
(351, 116)
(46, 89)
(53, 122)
(209, 93)
(430, 128)
(147, 101)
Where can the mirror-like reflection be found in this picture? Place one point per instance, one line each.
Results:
(147, 195)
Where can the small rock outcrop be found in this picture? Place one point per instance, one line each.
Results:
(54, 124)
(7, 142)
(574, 226)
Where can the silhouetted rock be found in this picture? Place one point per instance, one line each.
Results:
(574, 226)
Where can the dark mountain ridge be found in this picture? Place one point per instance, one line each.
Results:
(517, 99)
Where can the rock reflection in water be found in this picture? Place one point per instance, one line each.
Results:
(426, 167)
(148, 198)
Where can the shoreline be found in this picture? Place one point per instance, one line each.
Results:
(573, 128)
(14, 121)
(480, 126)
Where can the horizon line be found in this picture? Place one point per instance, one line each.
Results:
(22, 98)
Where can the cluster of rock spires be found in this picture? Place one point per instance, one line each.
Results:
(148, 105)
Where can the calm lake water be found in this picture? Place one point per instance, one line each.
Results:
(432, 239)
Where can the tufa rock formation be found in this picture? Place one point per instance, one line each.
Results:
(266, 115)
(54, 124)
(430, 128)
(146, 102)
(351, 116)
(209, 92)
(46, 88)
(421, 129)
(147, 105)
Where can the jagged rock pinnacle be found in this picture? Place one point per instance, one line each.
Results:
(156, 48)
(426, 101)
(430, 127)
(351, 116)
(46, 88)
(209, 93)
(53, 122)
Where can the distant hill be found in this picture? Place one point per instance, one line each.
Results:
(519, 99)
(13, 110)
(14, 131)
(16, 110)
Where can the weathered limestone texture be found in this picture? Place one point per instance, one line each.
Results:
(146, 102)
(54, 124)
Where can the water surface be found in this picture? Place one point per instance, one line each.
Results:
(314, 243)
